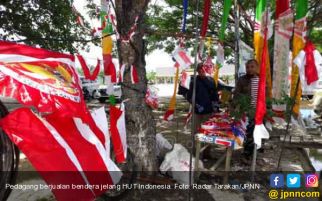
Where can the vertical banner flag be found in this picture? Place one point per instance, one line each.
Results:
(259, 40)
(220, 49)
(169, 114)
(204, 27)
(299, 38)
(283, 34)
(260, 131)
(107, 44)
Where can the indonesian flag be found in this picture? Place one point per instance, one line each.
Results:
(260, 131)
(37, 77)
(89, 75)
(182, 58)
(82, 158)
(185, 80)
(151, 98)
(109, 68)
(168, 116)
(118, 132)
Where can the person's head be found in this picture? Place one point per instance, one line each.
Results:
(200, 70)
(252, 67)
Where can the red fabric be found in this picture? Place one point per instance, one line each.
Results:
(168, 116)
(109, 68)
(40, 78)
(281, 6)
(88, 75)
(19, 49)
(115, 114)
(311, 73)
(261, 98)
(206, 12)
(134, 75)
(50, 158)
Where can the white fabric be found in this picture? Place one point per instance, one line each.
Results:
(246, 53)
(162, 144)
(100, 119)
(300, 61)
(220, 55)
(182, 58)
(185, 80)
(260, 133)
(88, 134)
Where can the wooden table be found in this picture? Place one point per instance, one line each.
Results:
(215, 140)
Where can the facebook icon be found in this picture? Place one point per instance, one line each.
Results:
(277, 180)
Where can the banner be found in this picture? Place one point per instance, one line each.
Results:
(301, 7)
(283, 34)
(40, 78)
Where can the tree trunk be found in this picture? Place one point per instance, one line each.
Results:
(140, 123)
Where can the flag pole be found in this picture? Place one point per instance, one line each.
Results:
(194, 98)
(236, 12)
(288, 122)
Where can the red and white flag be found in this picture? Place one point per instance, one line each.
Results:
(260, 131)
(109, 68)
(82, 160)
(185, 80)
(87, 73)
(182, 58)
(118, 132)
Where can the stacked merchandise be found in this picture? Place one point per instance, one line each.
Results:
(223, 130)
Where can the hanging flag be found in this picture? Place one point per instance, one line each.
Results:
(283, 34)
(151, 98)
(309, 62)
(40, 78)
(185, 80)
(80, 161)
(89, 75)
(169, 114)
(118, 132)
(184, 17)
(181, 57)
(301, 7)
(259, 40)
(260, 131)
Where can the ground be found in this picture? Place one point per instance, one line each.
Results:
(294, 159)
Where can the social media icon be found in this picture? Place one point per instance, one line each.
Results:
(311, 180)
(293, 181)
(277, 180)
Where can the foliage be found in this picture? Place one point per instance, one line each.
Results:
(151, 76)
(164, 24)
(50, 24)
(242, 105)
